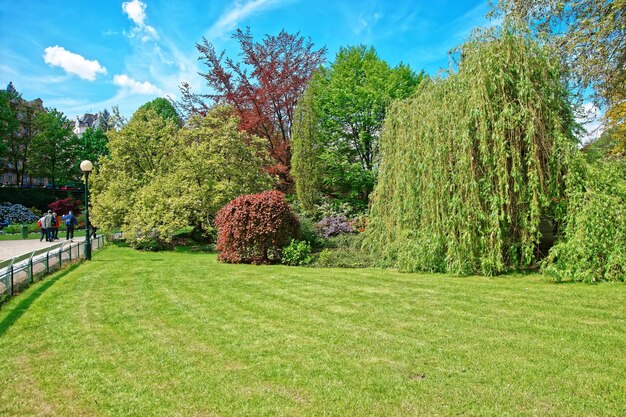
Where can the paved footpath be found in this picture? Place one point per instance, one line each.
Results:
(12, 248)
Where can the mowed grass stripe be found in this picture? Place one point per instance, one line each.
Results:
(134, 333)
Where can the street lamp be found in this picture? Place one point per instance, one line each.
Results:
(86, 166)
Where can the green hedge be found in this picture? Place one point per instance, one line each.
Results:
(34, 197)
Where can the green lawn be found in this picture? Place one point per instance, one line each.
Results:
(160, 334)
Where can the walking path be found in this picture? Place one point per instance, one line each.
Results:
(12, 248)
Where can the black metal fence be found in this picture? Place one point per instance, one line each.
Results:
(18, 273)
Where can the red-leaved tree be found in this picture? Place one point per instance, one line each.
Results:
(263, 91)
(64, 206)
(252, 228)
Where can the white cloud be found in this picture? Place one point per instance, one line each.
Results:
(72, 63)
(136, 11)
(135, 86)
(230, 18)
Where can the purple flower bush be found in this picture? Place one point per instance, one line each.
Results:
(334, 225)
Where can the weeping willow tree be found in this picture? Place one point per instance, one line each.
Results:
(473, 162)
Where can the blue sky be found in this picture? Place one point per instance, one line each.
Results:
(80, 56)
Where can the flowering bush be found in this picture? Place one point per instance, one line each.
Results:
(334, 225)
(16, 213)
(253, 228)
(359, 223)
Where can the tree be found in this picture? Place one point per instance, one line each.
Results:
(473, 162)
(54, 148)
(17, 128)
(139, 153)
(197, 170)
(264, 98)
(116, 121)
(345, 108)
(9, 124)
(103, 121)
(164, 108)
(593, 247)
(305, 167)
(590, 36)
(65, 205)
(93, 144)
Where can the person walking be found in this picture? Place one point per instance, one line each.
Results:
(47, 224)
(42, 228)
(55, 226)
(70, 223)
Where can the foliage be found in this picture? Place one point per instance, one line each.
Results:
(93, 145)
(593, 246)
(30, 197)
(64, 206)
(152, 245)
(187, 177)
(330, 208)
(345, 251)
(16, 213)
(616, 120)
(308, 232)
(140, 154)
(9, 124)
(297, 253)
(473, 162)
(164, 108)
(17, 127)
(263, 91)
(115, 121)
(590, 37)
(338, 123)
(54, 148)
(305, 168)
(601, 148)
(254, 228)
(334, 225)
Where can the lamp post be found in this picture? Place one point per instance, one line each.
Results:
(86, 166)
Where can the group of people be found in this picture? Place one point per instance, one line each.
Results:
(49, 226)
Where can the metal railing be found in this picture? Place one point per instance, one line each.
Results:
(18, 273)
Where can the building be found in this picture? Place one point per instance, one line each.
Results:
(81, 124)
(9, 173)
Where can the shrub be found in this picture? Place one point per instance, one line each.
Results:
(297, 253)
(153, 245)
(30, 197)
(344, 251)
(334, 225)
(16, 213)
(593, 246)
(308, 232)
(331, 208)
(36, 211)
(64, 206)
(253, 228)
(359, 223)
